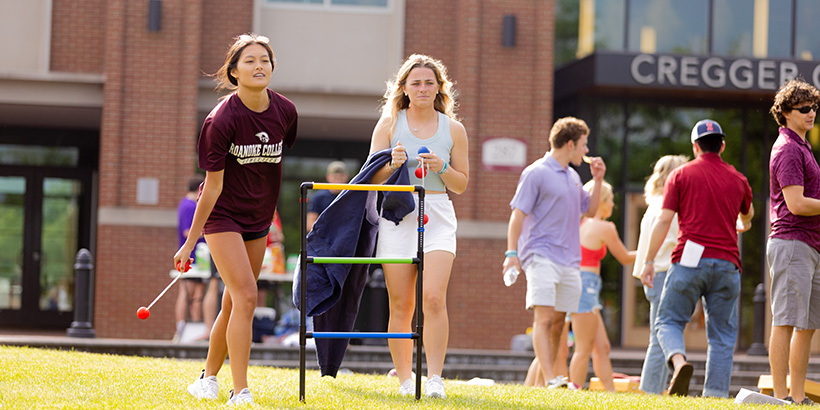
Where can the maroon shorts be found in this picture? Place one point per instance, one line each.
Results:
(217, 225)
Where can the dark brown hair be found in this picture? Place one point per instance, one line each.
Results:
(793, 92)
(223, 75)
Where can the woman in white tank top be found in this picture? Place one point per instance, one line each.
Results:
(412, 117)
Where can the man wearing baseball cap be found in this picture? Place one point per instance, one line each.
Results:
(793, 249)
(709, 196)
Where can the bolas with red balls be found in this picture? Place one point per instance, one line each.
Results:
(420, 171)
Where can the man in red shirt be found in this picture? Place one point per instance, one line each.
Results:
(709, 196)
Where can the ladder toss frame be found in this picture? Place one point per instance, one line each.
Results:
(304, 259)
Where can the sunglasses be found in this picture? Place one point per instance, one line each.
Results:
(807, 108)
(245, 38)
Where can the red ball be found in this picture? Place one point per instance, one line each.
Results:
(420, 173)
(426, 219)
(143, 313)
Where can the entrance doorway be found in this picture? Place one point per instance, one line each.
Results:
(44, 220)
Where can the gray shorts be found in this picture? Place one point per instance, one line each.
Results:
(794, 268)
(550, 284)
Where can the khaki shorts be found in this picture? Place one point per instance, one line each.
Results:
(550, 284)
(401, 241)
(794, 268)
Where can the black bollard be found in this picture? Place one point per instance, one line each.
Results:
(81, 326)
(758, 348)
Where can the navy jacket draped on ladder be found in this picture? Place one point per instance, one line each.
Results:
(348, 227)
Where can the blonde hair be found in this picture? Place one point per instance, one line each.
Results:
(665, 165)
(395, 100)
(606, 189)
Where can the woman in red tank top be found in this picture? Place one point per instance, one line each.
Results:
(597, 234)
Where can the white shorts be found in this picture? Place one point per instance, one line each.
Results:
(401, 241)
(550, 284)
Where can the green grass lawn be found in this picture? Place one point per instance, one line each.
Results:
(51, 379)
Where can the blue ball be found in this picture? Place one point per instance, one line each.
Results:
(423, 150)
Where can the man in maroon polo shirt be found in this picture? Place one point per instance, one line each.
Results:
(794, 242)
(709, 196)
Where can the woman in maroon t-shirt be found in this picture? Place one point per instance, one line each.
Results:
(240, 148)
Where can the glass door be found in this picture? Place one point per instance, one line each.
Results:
(12, 211)
(42, 212)
(59, 236)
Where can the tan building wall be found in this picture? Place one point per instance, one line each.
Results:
(29, 20)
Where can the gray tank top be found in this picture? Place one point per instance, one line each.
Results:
(441, 143)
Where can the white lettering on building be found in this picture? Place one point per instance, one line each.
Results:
(690, 71)
(713, 78)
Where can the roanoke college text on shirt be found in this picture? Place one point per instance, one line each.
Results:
(248, 146)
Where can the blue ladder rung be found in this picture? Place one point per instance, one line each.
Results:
(359, 335)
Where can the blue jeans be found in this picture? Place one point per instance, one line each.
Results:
(591, 285)
(654, 372)
(717, 281)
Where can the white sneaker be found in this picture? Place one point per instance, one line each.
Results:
(434, 387)
(244, 397)
(204, 387)
(558, 383)
(408, 388)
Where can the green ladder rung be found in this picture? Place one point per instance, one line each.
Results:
(359, 260)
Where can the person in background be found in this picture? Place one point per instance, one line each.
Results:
(793, 249)
(535, 377)
(709, 196)
(336, 174)
(274, 242)
(419, 111)
(597, 235)
(654, 373)
(544, 226)
(240, 148)
(191, 297)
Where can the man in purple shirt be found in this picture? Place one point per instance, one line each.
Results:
(546, 216)
(793, 250)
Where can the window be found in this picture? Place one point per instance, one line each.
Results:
(609, 24)
(760, 31)
(806, 46)
(780, 29)
(666, 26)
(566, 31)
(733, 28)
(11, 154)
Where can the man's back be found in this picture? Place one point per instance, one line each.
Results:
(708, 194)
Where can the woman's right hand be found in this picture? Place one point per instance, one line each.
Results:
(398, 156)
(182, 258)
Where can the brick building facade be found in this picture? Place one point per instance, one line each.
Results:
(151, 108)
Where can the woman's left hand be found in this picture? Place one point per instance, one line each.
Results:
(431, 161)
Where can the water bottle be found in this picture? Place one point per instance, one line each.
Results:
(510, 276)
